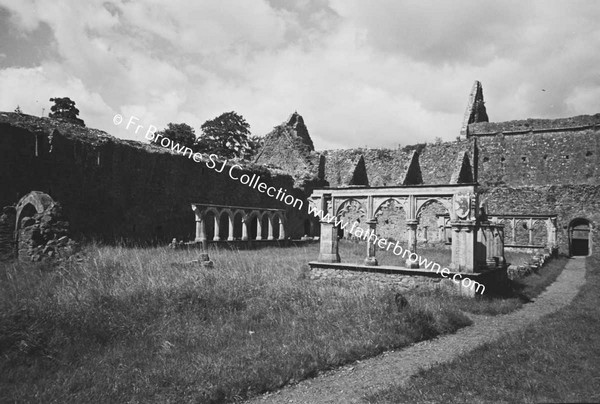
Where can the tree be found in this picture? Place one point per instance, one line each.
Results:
(226, 136)
(64, 109)
(254, 143)
(18, 110)
(181, 133)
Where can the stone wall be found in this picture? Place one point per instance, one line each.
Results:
(112, 188)
(387, 167)
(538, 152)
(398, 282)
(568, 202)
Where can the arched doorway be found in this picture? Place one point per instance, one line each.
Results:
(580, 240)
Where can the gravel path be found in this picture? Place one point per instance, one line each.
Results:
(350, 383)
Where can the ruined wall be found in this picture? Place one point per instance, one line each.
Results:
(387, 167)
(568, 202)
(542, 166)
(539, 152)
(111, 188)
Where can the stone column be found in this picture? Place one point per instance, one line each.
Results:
(490, 246)
(551, 231)
(217, 231)
(370, 259)
(270, 237)
(201, 237)
(281, 229)
(258, 228)
(500, 245)
(411, 226)
(513, 236)
(200, 226)
(244, 229)
(230, 236)
(328, 243)
(463, 246)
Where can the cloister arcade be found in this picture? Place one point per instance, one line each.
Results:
(413, 215)
(231, 223)
(531, 231)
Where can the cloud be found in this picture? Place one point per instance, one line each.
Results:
(360, 73)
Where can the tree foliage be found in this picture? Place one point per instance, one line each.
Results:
(181, 133)
(65, 110)
(226, 135)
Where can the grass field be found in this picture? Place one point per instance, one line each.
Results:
(554, 360)
(140, 325)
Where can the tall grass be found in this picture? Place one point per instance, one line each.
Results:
(144, 325)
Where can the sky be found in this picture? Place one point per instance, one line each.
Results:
(377, 73)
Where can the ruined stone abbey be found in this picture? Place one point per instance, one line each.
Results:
(537, 179)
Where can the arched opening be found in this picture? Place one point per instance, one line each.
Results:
(521, 232)
(539, 234)
(224, 226)
(209, 223)
(27, 211)
(265, 227)
(307, 228)
(237, 226)
(580, 240)
(276, 221)
(252, 230)
(351, 211)
(431, 230)
(391, 221)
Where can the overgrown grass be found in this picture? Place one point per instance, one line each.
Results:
(556, 359)
(141, 325)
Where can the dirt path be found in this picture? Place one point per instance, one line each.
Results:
(350, 383)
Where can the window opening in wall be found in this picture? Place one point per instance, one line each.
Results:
(545, 156)
(502, 159)
(524, 159)
(486, 159)
(37, 145)
(567, 156)
(588, 153)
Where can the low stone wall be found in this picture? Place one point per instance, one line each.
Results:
(394, 281)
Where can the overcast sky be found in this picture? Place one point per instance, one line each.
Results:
(361, 73)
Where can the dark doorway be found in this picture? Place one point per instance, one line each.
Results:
(580, 237)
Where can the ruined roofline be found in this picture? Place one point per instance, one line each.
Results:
(517, 127)
(466, 184)
(49, 127)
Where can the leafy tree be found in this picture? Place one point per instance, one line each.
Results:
(255, 143)
(181, 133)
(18, 110)
(226, 136)
(64, 109)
